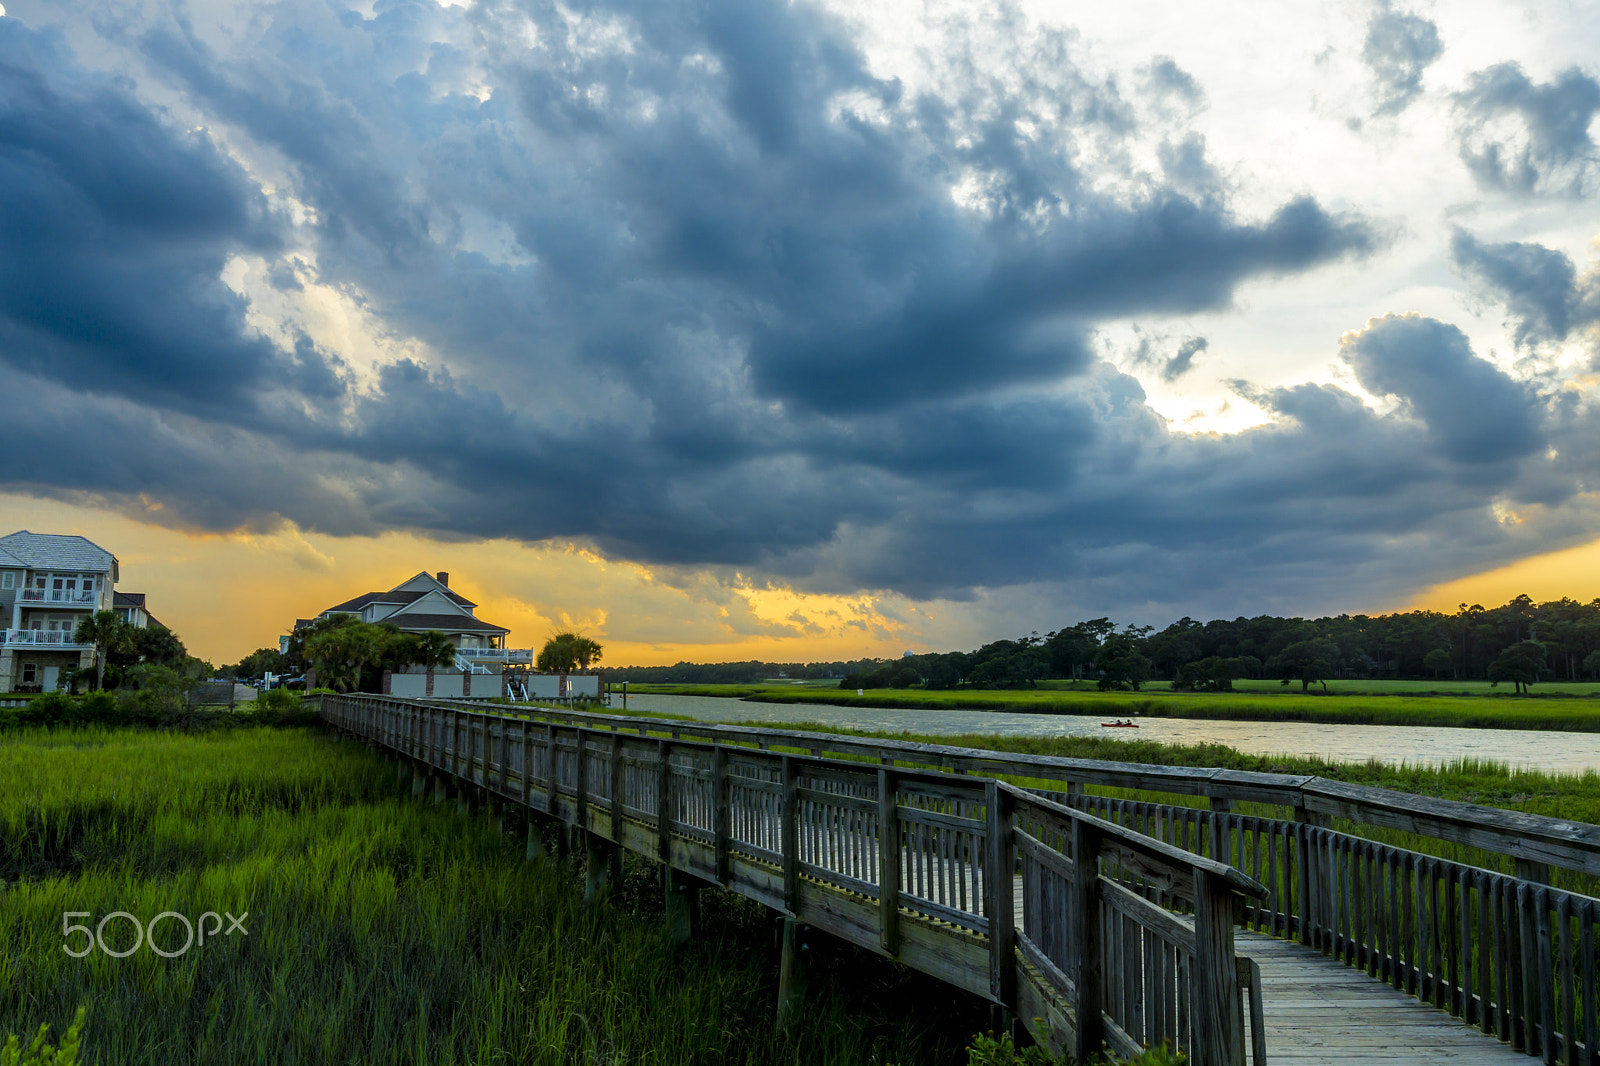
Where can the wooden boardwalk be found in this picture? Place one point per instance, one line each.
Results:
(1321, 1013)
(1118, 928)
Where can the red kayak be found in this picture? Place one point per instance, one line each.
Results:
(1119, 725)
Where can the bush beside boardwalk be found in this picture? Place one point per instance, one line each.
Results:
(381, 929)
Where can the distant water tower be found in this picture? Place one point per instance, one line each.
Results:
(908, 654)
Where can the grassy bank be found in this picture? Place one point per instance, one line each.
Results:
(381, 928)
(1473, 712)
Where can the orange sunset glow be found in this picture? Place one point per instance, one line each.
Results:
(227, 595)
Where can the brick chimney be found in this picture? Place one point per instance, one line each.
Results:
(444, 578)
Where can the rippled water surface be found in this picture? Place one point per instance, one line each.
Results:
(1429, 745)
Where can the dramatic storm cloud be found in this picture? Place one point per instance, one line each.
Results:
(754, 286)
(1540, 287)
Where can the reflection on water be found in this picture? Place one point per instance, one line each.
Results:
(1424, 745)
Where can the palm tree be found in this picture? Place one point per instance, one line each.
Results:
(435, 649)
(340, 654)
(566, 652)
(107, 633)
(586, 651)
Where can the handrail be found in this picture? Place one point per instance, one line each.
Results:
(1525, 838)
(1514, 958)
(917, 863)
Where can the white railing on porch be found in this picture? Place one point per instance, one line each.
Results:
(65, 597)
(61, 638)
(497, 655)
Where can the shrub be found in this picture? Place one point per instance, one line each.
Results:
(274, 707)
(50, 709)
(98, 707)
(38, 1053)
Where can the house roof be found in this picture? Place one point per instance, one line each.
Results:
(136, 599)
(445, 623)
(57, 551)
(401, 598)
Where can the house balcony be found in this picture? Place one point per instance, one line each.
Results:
(50, 639)
(60, 598)
(496, 655)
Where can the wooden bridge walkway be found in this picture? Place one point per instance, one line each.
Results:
(1318, 1013)
(1117, 925)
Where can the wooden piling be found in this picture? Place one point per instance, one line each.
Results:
(791, 975)
(596, 866)
(682, 896)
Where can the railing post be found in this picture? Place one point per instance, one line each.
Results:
(888, 864)
(1001, 863)
(616, 787)
(1085, 935)
(527, 759)
(505, 754)
(664, 804)
(1306, 873)
(1217, 1032)
(790, 839)
(583, 780)
(721, 814)
(551, 775)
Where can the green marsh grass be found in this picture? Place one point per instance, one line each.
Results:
(381, 928)
(1481, 712)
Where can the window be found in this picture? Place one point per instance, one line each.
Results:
(30, 673)
(8, 579)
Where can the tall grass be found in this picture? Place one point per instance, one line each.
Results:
(381, 928)
(1471, 712)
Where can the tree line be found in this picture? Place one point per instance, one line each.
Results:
(350, 655)
(1520, 643)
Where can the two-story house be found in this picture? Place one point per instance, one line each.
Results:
(48, 584)
(426, 602)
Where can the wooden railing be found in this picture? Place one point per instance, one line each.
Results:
(1513, 957)
(1532, 842)
(1508, 953)
(925, 866)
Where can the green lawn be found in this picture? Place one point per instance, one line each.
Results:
(1347, 705)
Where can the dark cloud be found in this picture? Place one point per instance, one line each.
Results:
(1472, 409)
(117, 229)
(687, 282)
(1183, 361)
(1526, 137)
(1540, 286)
(1157, 354)
(1398, 49)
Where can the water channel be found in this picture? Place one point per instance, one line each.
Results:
(1416, 745)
